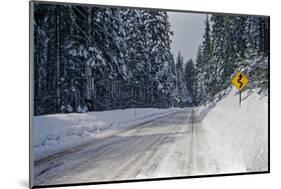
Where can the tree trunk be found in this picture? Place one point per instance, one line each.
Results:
(58, 90)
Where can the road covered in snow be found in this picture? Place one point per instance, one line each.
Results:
(182, 142)
(174, 145)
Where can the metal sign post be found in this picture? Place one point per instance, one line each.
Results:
(240, 81)
(240, 98)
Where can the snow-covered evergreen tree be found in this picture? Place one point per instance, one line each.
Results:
(232, 43)
(94, 58)
(191, 82)
(180, 78)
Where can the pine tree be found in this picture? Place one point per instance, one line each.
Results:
(180, 77)
(201, 88)
(158, 41)
(94, 58)
(207, 66)
(232, 43)
(190, 81)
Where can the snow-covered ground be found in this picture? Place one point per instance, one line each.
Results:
(153, 143)
(57, 132)
(238, 136)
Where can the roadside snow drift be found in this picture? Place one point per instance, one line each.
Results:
(238, 136)
(223, 139)
(57, 132)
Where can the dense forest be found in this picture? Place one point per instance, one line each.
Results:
(232, 43)
(95, 58)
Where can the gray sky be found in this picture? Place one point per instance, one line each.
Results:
(188, 30)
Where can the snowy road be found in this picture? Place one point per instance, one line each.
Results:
(174, 145)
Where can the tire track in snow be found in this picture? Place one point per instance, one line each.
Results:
(135, 153)
(47, 171)
(201, 160)
(157, 160)
(152, 162)
(133, 167)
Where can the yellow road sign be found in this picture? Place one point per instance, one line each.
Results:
(240, 81)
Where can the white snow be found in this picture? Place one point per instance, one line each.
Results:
(56, 132)
(238, 136)
(147, 143)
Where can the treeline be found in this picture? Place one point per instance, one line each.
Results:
(186, 84)
(93, 58)
(232, 43)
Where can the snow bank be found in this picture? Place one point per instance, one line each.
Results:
(237, 135)
(56, 132)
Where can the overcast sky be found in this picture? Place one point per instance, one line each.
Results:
(188, 30)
